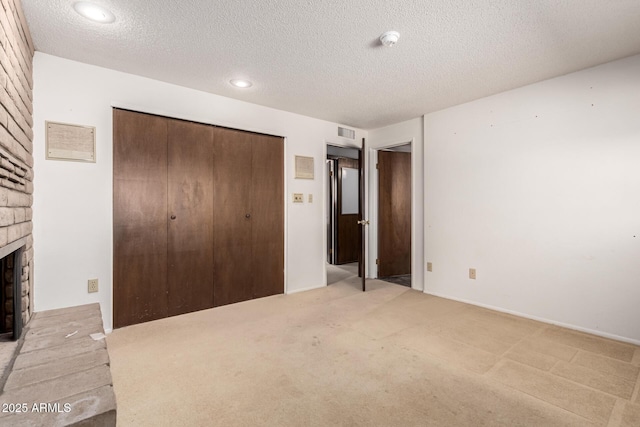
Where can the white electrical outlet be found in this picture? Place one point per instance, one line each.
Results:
(310, 198)
(298, 198)
(92, 285)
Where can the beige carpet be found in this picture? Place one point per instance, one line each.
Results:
(337, 273)
(388, 357)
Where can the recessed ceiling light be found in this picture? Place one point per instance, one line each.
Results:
(243, 84)
(94, 12)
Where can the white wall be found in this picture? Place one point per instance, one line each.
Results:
(538, 189)
(397, 134)
(73, 201)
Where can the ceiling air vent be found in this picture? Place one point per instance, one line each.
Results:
(347, 133)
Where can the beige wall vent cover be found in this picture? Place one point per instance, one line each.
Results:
(70, 142)
(347, 133)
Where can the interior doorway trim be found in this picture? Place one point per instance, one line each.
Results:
(373, 208)
(325, 190)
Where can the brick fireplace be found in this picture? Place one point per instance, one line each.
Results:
(16, 164)
(11, 295)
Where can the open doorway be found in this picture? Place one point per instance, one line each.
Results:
(343, 232)
(394, 214)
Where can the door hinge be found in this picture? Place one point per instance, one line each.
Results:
(377, 261)
(377, 166)
(331, 251)
(330, 173)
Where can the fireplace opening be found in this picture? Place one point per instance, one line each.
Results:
(11, 306)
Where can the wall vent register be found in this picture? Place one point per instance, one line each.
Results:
(346, 133)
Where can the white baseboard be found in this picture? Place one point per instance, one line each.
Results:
(295, 291)
(540, 319)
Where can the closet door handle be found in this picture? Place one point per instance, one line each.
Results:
(247, 216)
(173, 217)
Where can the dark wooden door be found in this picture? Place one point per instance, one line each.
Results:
(267, 215)
(394, 212)
(232, 266)
(362, 221)
(190, 208)
(248, 216)
(347, 228)
(198, 217)
(139, 218)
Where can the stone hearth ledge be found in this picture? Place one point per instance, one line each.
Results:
(59, 379)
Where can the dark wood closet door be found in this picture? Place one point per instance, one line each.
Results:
(232, 216)
(394, 210)
(348, 230)
(267, 216)
(139, 217)
(198, 217)
(190, 208)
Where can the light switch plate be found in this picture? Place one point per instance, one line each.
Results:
(310, 198)
(429, 266)
(298, 198)
(472, 273)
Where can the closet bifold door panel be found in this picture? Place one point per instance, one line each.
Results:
(248, 216)
(139, 218)
(267, 218)
(190, 207)
(232, 216)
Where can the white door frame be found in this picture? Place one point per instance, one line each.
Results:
(325, 190)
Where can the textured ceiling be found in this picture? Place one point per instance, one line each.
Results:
(322, 58)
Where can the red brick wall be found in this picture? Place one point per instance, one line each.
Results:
(16, 138)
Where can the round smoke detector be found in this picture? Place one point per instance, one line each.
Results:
(389, 38)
